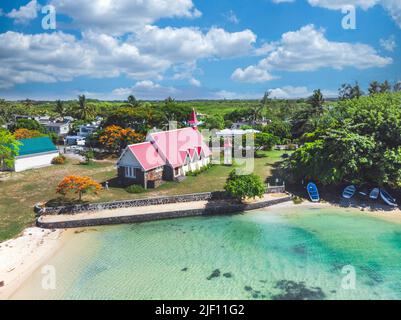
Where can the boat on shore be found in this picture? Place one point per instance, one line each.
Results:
(374, 194)
(349, 192)
(387, 198)
(313, 192)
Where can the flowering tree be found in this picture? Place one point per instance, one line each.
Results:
(78, 185)
(115, 138)
(24, 133)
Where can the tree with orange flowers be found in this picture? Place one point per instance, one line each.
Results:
(79, 185)
(24, 133)
(115, 138)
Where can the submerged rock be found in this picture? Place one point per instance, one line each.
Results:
(227, 275)
(215, 274)
(297, 291)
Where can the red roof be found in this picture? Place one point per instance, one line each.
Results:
(172, 144)
(193, 120)
(147, 155)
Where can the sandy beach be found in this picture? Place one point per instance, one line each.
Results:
(21, 256)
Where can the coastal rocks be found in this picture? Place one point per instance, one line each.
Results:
(215, 274)
(292, 290)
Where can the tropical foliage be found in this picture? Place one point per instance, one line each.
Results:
(358, 141)
(9, 148)
(244, 186)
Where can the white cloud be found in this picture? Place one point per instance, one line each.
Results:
(25, 13)
(147, 54)
(308, 49)
(195, 82)
(393, 7)
(290, 92)
(145, 89)
(388, 44)
(189, 44)
(251, 74)
(230, 95)
(61, 57)
(121, 16)
(339, 4)
(230, 16)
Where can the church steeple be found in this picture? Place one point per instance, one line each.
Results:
(193, 120)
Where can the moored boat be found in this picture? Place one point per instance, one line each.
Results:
(349, 192)
(374, 194)
(387, 198)
(313, 192)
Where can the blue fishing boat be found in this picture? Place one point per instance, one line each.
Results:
(387, 198)
(313, 192)
(349, 192)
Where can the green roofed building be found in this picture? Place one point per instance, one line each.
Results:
(35, 153)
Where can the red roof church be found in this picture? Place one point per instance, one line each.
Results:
(165, 156)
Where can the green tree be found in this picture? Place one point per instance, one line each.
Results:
(29, 124)
(265, 141)
(60, 109)
(348, 91)
(374, 88)
(317, 102)
(214, 122)
(241, 187)
(385, 87)
(280, 129)
(133, 102)
(86, 111)
(9, 148)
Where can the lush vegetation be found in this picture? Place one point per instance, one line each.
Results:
(244, 186)
(358, 141)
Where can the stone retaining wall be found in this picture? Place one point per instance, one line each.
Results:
(91, 207)
(211, 209)
(131, 203)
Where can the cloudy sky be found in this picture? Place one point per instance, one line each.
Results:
(193, 49)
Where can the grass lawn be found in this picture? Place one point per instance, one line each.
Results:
(22, 190)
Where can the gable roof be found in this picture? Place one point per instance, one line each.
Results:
(36, 145)
(171, 144)
(147, 155)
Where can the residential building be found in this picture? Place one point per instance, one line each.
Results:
(35, 153)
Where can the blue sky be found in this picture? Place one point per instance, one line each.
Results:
(193, 49)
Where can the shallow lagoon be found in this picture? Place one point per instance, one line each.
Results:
(278, 253)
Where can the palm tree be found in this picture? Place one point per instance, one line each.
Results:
(374, 88)
(86, 111)
(385, 87)
(60, 109)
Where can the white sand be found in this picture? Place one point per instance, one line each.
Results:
(21, 256)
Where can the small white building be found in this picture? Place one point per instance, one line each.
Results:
(35, 153)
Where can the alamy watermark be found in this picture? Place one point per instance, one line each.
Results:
(49, 21)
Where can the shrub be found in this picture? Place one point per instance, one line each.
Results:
(135, 189)
(58, 160)
(244, 186)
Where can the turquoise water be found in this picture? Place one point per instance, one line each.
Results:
(294, 253)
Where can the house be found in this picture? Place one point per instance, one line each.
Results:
(74, 141)
(165, 156)
(87, 130)
(59, 128)
(35, 153)
(235, 132)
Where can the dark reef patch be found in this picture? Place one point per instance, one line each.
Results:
(228, 275)
(292, 290)
(215, 274)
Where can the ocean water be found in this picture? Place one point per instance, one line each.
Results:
(276, 253)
